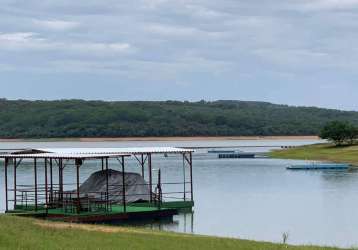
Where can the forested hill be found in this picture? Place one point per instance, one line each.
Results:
(78, 118)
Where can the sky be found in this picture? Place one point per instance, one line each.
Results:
(296, 52)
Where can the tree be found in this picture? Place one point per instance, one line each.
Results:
(77, 118)
(339, 132)
(352, 134)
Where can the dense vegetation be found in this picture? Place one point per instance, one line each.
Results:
(340, 133)
(78, 118)
(24, 233)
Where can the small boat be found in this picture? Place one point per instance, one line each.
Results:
(319, 166)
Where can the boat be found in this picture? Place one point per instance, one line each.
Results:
(319, 166)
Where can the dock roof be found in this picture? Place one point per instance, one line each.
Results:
(61, 156)
(72, 153)
(129, 150)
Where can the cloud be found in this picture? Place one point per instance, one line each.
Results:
(56, 25)
(237, 44)
(6, 67)
(331, 4)
(21, 40)
(32, 41)
(171, 30)
(294, 59)
(20, 37)
(204, 12)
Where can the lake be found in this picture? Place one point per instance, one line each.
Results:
(246, 198)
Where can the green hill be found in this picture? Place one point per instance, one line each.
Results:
(78, 118)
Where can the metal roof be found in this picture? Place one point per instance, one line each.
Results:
(131, 150)
(63, 155)
(82, 153)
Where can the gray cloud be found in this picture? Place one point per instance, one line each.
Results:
(292, 51)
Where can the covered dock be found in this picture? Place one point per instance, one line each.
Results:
(110, 194)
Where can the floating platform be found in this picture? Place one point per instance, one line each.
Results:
(133, 211)
(319, 166)
(237, 155)
(216, 151)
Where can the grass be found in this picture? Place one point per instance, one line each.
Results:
(27, 233)
(321, 152)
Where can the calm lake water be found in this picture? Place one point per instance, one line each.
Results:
(246, 198)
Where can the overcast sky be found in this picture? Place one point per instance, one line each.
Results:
(299, 52)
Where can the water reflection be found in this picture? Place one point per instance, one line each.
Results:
(183, 222)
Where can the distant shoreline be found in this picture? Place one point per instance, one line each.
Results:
(175, 138)
(320, 152)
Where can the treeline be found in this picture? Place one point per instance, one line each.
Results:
(78, 118)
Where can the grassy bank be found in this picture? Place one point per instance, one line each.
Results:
(23, 233)
(322, 152)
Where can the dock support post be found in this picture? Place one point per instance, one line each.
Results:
(102, 164)
(123, 187)
(35, 174)
(192, 222)
(142, 163)
(15, 197)
(184, 177)
(46, 194)
(191, 175)
(51, 181)
(150, 176)
(107, 187)
(6, 187)
(159, 188)
(60, 179)
(78, 164)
